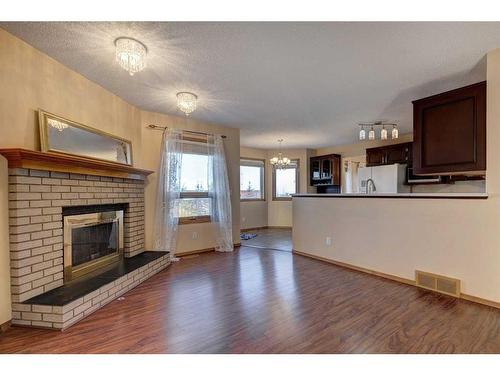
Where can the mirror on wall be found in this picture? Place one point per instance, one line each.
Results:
(60, 135)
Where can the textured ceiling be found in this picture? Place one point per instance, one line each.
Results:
(308, 83)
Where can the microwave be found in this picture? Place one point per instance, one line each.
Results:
(412, 178)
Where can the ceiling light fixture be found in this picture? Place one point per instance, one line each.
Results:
(362, 133)
(279, 162)
(395, 132)
(383, 131)
(187, 102)
(371, 134)
(131, 54)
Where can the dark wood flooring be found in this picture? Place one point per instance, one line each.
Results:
(254, 301)
(271, 238)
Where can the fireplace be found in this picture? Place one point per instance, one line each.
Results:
(93, 238)
(46, 192)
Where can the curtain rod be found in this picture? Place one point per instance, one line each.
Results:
(156, 127)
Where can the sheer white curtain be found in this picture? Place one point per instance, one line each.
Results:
(218, 191)
(168, 193)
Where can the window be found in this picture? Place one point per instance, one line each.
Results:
(252, 180)
(286, 181)
(194, 205)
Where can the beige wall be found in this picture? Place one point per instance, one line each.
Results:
(30, 80)
(5, 310)
(457, 238)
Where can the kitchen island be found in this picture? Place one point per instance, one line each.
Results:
(455, 235)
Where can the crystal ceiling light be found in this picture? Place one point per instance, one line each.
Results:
(279, 162)
(186, 102)
(131, 54)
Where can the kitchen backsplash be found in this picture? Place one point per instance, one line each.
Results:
(457, 187)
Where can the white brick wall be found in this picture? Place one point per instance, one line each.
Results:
(36, 199)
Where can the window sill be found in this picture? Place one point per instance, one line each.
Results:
(194, 220)
(282, 199)
(253, 200)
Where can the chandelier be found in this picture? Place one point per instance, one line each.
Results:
(279, 162)
(60, 126)
(383, 131)
(186, 102)
(131, 54)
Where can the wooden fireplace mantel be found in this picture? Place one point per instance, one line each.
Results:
(49, 161)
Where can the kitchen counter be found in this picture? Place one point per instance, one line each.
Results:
(398, 195)
(401, 233)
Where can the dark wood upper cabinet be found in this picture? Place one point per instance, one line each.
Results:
(325, 170)
(392, 154)
(449, 132)
(374, 156)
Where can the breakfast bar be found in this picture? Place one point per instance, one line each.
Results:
(400, 233)
(399, 195)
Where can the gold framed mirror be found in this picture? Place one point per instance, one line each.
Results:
(60, 135)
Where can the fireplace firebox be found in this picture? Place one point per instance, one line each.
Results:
(92, 240)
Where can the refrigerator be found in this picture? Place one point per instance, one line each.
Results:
(387, 178)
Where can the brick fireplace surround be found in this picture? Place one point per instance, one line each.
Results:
(36, 199)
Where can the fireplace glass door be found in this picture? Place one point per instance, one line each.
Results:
(91, 241)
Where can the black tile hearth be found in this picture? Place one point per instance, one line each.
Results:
(93, 281)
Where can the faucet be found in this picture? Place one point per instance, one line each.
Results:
(373, 189)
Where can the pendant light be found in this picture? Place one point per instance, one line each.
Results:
(383, 133)
(362, 133)
(394, 133)
(279, 162)
(371, 134)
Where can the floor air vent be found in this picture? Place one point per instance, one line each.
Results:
(438, 283)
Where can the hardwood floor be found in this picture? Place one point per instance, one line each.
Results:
(271, 238)
(254, 301)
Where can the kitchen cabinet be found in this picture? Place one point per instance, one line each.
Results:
(326, 168)
(325, 172)
(374, 156)
(399, 153)
(449, 132)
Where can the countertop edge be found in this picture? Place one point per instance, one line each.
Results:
(394, 196)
